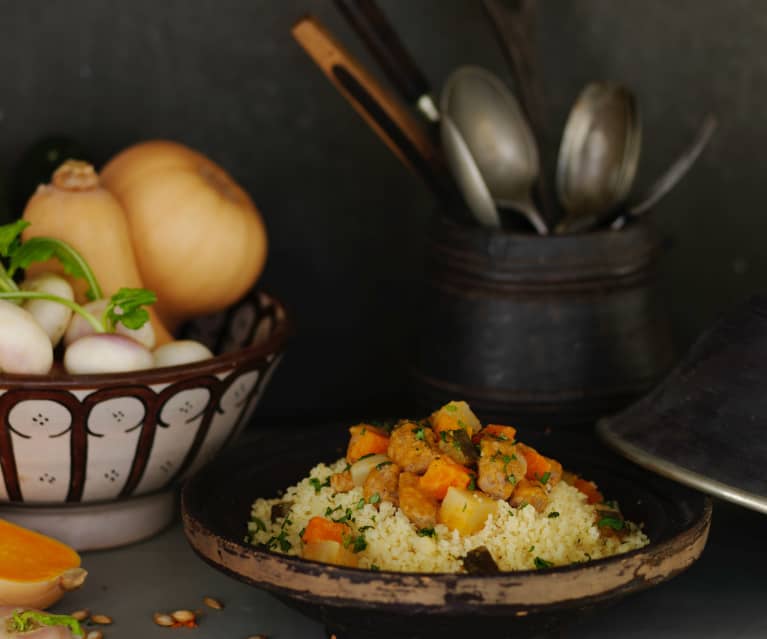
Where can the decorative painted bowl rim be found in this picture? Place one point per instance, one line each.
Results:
(274, 343)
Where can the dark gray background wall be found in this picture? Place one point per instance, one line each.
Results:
(346, 220)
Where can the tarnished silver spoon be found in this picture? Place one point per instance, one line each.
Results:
(489, 146)
(599, 155)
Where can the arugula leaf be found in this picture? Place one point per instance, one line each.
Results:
(29, 620)
(9, 236)
(39, 249)
(125, 307)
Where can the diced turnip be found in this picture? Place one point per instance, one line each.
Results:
(466, 510)
(329, 552)
(79, 327)
(106, 353)
(53, 317)
(25, 347)
(182, 351)
(362, 467)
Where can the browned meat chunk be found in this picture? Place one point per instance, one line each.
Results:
(501, 468)
(383, 480)
(412, 447)
(342, 482)
(420, 508)
(457, 445)
(529, 492)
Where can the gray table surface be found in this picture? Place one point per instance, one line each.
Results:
(724, 595)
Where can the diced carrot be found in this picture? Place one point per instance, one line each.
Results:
(321, 529)
(589, 488)
(442, 473)
(537, 464)
(504, 433)
(366, 440)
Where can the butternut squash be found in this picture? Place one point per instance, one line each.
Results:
(35, 570)
(199, 240)
(76, 209)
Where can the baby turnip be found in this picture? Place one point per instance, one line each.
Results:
(79, 327)
(106, 353)
(25, 347)
(183, 351)
(53, 317)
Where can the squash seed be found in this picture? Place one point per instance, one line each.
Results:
(162, 619)
(102, 620)
(81, 615)
(95, 634)
(183, 616)
(210, 602)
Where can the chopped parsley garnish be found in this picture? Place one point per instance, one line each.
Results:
(451, 408)
(531, 549)
(366, 456)
(383, 464)
(260, 525)
(301, 532)
(545, 477)
(542, 563)
(553, 514)
(356, 543)
(374, 498)
(426, 532)
(329, 511)
(611, 522)
(511, 479)
(360, 504)
(443, 436)
(374, 567)
(280, 540)
(420, 433)
(347, 516)
(472, 483)
(319, 485)
(364, 528)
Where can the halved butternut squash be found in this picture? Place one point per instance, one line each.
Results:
(35, 570)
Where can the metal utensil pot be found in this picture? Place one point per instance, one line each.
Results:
(540, 330)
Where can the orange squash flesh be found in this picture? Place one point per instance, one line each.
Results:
(35, 570)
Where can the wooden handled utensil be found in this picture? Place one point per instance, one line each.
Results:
(388, 118)
(375, 31)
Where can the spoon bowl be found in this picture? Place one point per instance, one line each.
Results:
(489, 146)
(599, 155)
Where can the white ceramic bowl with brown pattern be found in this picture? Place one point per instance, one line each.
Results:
(95, 459)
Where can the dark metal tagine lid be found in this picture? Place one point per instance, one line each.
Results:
(705, 425)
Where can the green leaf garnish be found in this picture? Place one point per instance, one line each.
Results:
(426, 532)
(542, 563)
(611, 522)
(545, 477)
(553, 514)
(126, 307)
(39, 249)
(29, 620)
(260, 525)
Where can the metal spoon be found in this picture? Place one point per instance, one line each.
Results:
(671, 176)
(489, 146)
(599, 155)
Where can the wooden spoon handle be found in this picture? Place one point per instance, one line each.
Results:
(330, 55)
(375, 31)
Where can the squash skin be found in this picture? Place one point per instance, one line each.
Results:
(93, 222)
(199, 240)
(43, 584)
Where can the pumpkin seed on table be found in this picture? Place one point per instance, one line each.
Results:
(183, 616)
(95, 634)
(162, 619)
(102, 620)
(81, 615)
(210, 602)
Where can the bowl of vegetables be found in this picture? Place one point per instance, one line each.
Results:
(106, 405)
